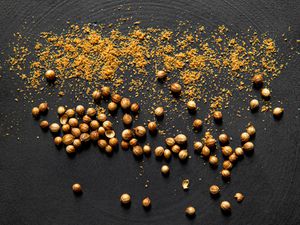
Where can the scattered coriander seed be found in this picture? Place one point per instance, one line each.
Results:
(213, 160)
(217, 115)
(180, 139)
(107, 125)
(84, 128)
(76, 143)
(161, 74)
(140, 131)
(183, 154)
(175, 149)
(101, 117)
(265, 93)
(133, 142)
(210, 142)
(125, 199)
(43, 107)
(57, 140)
(77, 188)
(127, 134)
(94, 124)
(68, 139)
(224, 139)
(112, 106)
(190, 211)
(239, 197)
(146, 202)
(134, 107)
(152, 127)
(225, 173)
(251, 130)
(198, 146)
(147, 149)
(85, 137)
(227, 150)
(197, 124)
(110, 133)
(116, 98)
(66, 128)
(124, 145)
(96, 95)
(245, 137)
(233, 157)
(64, 119)
(80, 110)
(170, 141)
(70, 113)
(101, 131)
(127, 119)
(54, 127)
(165, 170)
(61, 110)
(94, 135)
(159, 112)
(159, 151)
(70, 149)
(108, 149)
(257, 80)
(44, 124)
(50, 75)
(35, 111)
(205, 151)
(185, 184)
(227, 165)
(125, 103)
(214, 190)
(175, 88)
(105, 91)
(167, 153)
(86, 119)
(73, 122)
(239, 151)
(248, 146)
(225, 206)
(191, 105)
(277, 112)
(75, 132)
(137, 151)
(102, 143)
(254, 104)
(91, 112)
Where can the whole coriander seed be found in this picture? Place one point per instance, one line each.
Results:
(277, 112)
(175, 149)
(224, 139)
(265, 93)
(105, 91)
(68, 139)
(94, 125)
(180, 139)
(214, 190)
(127, 119)
(35, 111)
(50, 75)
(137, 151)
(124, 145)
(61, 110)
(225, 173)
(225, 206)
(127, 134)
(107, 125)
(44, 124)
(91, 112)
(165, 170)
(66, 128)
(251, 130)
(108, 149)
(257, 80)
(133, 142)
(254, 104)
(146, 202)
(70, 149)
(85, 137)
(112, 106)
(113, 142)
(159, 151)
(198, 146)
(175, 88)
(75, 132)
(190, 211)
(213, 160)
(183, 154)
(94, 135)
(64, 119)
(239, 151)
(110, 133)
(161, 74)
(210, 142)
(77, 188)
(191, 105)
(125, 199)
(233, 157)
(70, 113)
(125, 103)
(159, 112)
(76, 143)
(217, 115)
(140, 131)
(73, 122)
(101, 117)
(248, 146)
(152, 127)
(239, 197)
(57, 140)
(197, 124)
(245, 137)
(86, 119)
(227, 150)
(170, 141)
(84, 128)
(205, 151)
(134, 107)
(116, 98)
(54, 127)
(96, 95)
(43, 107)
(167, 153)
(102, 143)
(80, 110)
(227, 165)
(147, 149)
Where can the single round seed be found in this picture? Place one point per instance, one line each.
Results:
(198, 146)
(227, 150)
(107, 125)
(239, 151)
(94, 124)
(127, 134)
(43, 107)
(86, 119)
(137, 151)
(147, 149)
(180, 139)
(159, 151)
(134, 107)
(217, 115)
(214, 189)
(257, 80)
(84, 128)
(77, 188)
(161, 74)
(239, 197)
(254, 104)
(54, 127)
(70, 149)
(165, 169)
(57, 140)
(265, 93)
(225, 173)
(73, 122)
(70, 113)
(170, 141)
(101, 117)
(175, 88)
(277, 112)
(80, 110)
(224, 139)
(167, 153)
(225, 206)
(125, 199)
(191, 105)
(66, 128)
(108, 149)
(64, 119)
(44, 124)
(84, 137)
(140, 131)
(127, 119)
(50, 75)
(152, 127)
(146, 202)
(183, 154)
(96, 95)
(113, 142)
(227, 165)
(210, 142)
(197, 124)
(94, 135)
(133, 142)
(116, 98)
(124, 145)
(248, 146)
(61, 110)
(175, 149)
(102, 143)
(68, 139)
(233, 157)
(190, 211)
(105, 91)
(75, 132)
(205, 151)
(213, 160)
(251, 130)
(76, 143)
(159, 111)
(125, 103)
(35, 111)
(245, 137)
(112, 106)
(91, 112)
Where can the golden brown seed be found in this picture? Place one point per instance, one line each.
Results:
(190, 211)
(245, 137)
(86, 119)
(105, 91)
(70, 149)
(214, 189)
(101, 131)
(175, 88)
(198, 146)
(64, 119)
(108, 149)
(191, 105)
(170, 141)
(239, 151)
(213, 160)
(66, 128)
(225, 173)
(277, 112)
(57, 140)
(70, 113)
(147, 149)
(254, 104)
(61, 110)
(110, 134)
(44, 124)
(113, 142)
(54, 127)
(223, 138)
(101, 117)
(73, 122)
(233, 157)
(35, 111)
(43, 107)
(159, 112)
(124, 145)
(94, 124)
(183, 154)
(159, 151)
(107, 125)
(96, 95)
(137, 151)
(152, 127)
(68, 139)
(175, 149)
(127, 134)
(84, 128)
(165, 169)
(227, 165)
(239, 197)
(76, 143)
(146, 202)
(135, 108)
(140, 131)
(84, 137)
(248, 146)
(205, 151)
(102, 143)
(225, 206)
(133, 142)
(112, 106)
(167, 153)
(227, 150)
(77, 188)
(257, 80)
(127, 119)
(91, 112)
(116, 98)
(80, 110)
(125, 199)
(180, 139)
(251, 130)
(50, 75)
(197, 124)
(75, 132)
(210, 142)
(265, 93)
(125, 103)
(94, 135)
(217, 115)
(161, 74)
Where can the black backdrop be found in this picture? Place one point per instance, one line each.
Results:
(36, 178)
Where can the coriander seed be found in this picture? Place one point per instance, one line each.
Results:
(125, 103)
(94, 125)
(205, 151)
(84, 128)
(265, 93)
(180, 139)
(183, 154)
(257, 80)
(227, 165)
(54, 127)
(44, 124)
(175, 88)
(125, 199)
(50, 75)
(127, 134)
(94, 135)
(63, 119)
(175, 149)
(191, 105)
(124, 145)
(101, 117)
(239, 197)
(147, 149)
(227, 150)
(165, 170)
(73, 122)
(110, 133)
(213, 160)
(57, 140)
(76, 143)
(112, 106)
(70, 113)
(68, 139)
(167, 153)
(277, 112)
(77, 188)
(108, 149)
(86, 119)
(43, 107)
(224, 139)
(217, 115)
(102, 143)
(140, 131)
(159, 112)
(85, 137)
(159, 151)
(170, 141)
(225, 173)
(248, 146)
(197, 124)
(239, 151)
(161, 74)
(251, 130)
(80, 110)
(75, 132)
(133, 142)
(35, 111)
(225, 206)
(233, 157)
(91, 112)
(210, 142)
(70, 149)
(66, 128)
(254, 104)
(152, 127)
(214, 190)
(137, 151)
(96, 95)
(245, 137)
(107, 125)
(146, 202)
(190, 211)
(198, 146)
(127, 119)
(61, 110)
(105, 91)
(116, 98)
(134, 107)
